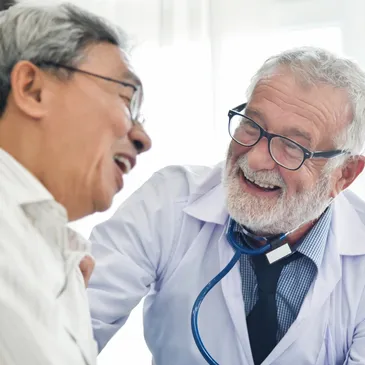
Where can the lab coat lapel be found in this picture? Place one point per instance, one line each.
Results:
(329, 274)
(327, 279)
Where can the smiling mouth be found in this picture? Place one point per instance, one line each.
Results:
(123, 164)
(260, 185)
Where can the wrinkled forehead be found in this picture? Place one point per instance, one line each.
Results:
(319, 109)
(300, 83)
(291, 88)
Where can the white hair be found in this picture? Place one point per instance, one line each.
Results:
(314, 66)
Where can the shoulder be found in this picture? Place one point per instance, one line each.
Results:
(188, 178)
(357, 204)
(177, 183)
(348, 232)
(14, 227)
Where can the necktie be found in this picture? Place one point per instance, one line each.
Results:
(262, 321)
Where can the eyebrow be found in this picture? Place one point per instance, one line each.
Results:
(290, 132)
(295, 132)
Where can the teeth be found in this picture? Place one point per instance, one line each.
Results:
(124, 162)
(262, 185)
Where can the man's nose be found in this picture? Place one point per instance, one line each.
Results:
(259, 158)
(140, 139)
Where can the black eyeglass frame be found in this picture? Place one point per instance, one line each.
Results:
(307, 154)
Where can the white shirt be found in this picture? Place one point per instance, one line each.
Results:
(44, 316)
(167, 241)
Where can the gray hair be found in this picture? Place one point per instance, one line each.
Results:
(49, 33)
(314, 66)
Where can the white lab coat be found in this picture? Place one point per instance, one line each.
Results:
(167, 241)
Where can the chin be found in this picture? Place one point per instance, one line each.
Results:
(103, 202)
(102, 205)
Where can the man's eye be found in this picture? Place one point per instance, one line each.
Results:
(126, 99)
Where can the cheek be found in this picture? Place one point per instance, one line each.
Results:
(235, 151)
(102, 184)
(88, 143)
(300, 180)
(119, 118)
(95, 137)
(105, 167)
(101, 173)
(101, 114)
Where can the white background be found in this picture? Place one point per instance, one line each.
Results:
(195, 58)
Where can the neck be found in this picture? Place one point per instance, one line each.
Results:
(23, 145)
(300, 233)
(27, 144)
(292, 238)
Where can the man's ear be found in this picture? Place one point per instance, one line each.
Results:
(27, 82)
(348, 173)
(6, 4)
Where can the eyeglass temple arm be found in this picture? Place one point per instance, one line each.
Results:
(329, 154)
(240, 107)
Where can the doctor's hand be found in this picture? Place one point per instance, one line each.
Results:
(87, 265)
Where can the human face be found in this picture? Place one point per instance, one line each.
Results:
(136, 142)
(90, 133)
(311, 116)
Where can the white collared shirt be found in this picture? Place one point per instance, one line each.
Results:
(44, 316)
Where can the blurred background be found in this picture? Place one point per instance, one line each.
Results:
(196, 58)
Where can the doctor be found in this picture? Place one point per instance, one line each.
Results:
(295, 148)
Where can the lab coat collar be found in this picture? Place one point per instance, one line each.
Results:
(207, 202)
(346, 238)
(347, 226)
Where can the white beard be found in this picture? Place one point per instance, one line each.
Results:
(266, 216)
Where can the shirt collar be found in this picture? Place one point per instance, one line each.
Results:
(314, 243)
(24, 187)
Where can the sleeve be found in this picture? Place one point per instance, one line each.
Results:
(28, 331)
(356, 354)
(131, 250)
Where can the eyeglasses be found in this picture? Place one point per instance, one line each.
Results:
(284, 151)
(135, 99)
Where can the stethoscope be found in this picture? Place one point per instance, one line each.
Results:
(240, 249)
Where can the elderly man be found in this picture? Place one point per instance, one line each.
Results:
(69, 105)
(280, 195)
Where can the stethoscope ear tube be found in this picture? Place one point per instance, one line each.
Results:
(243, 249)
(195, 311)
(239, 250)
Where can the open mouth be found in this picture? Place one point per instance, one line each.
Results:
(123, 163)
(260, 185)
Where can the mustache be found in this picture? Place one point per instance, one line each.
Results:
(261, 177)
